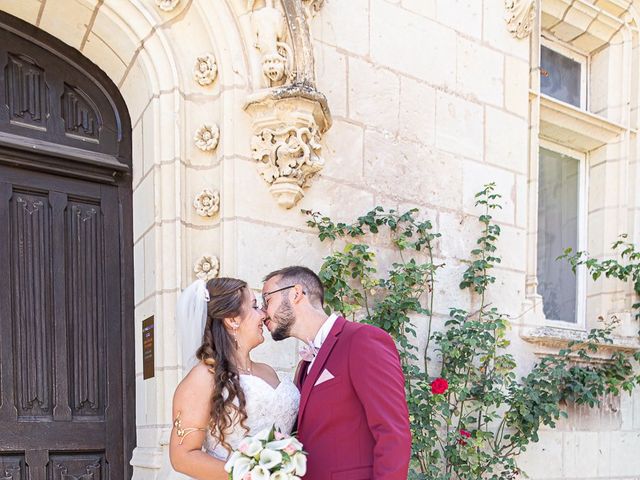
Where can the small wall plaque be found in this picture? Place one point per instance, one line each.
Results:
(148, 358)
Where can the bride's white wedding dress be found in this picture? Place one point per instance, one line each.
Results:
(265, 406)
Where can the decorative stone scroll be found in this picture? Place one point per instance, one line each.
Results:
(207, 203)
(206, 137)
(207, 267)
(519, 15)
(167, 5)
(205, 70)
(288, 123)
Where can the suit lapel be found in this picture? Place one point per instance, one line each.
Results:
(318, 364)
(302, 366)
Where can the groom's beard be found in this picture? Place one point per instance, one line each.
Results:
(284, 319)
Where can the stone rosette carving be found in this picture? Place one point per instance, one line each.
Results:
(207, 203)
(288, 123)
(270, 29)
(167, 5)
(519, 15)
(207, 267)
(206, 137)
(205, 69)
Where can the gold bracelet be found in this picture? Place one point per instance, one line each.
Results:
(183, 432)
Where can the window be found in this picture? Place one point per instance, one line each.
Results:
(560, 213)
(584, 114)
(563, 74)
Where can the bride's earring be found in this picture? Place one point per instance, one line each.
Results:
(235, 334)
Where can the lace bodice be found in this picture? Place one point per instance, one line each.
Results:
(266, 406)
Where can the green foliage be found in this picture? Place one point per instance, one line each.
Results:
(477, 426)
(628, 269)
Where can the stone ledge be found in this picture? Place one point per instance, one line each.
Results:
(575, 127)
(554, 337)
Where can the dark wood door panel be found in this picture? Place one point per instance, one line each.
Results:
(60, 318)
(65, 436)
(66, 306)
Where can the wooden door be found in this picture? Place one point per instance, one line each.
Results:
(61, 388)
(66, 306)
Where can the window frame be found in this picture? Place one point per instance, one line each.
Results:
(583, 214)
(582, 58)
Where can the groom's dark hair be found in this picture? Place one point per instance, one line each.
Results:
(304, 276)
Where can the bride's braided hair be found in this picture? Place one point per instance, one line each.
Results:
(226, 300)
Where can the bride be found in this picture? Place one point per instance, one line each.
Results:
(226, 395)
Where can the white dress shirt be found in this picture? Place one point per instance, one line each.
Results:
(322, 335)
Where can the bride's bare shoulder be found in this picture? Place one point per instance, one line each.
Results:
(199, 379)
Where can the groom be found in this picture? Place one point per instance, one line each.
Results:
(353, 418)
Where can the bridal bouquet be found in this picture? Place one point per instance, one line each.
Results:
(268, 455)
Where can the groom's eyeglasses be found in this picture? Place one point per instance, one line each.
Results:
(265, 304)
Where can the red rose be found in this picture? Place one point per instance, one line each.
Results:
(464, 434)
(439, 386)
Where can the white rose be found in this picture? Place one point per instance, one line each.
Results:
(241, 467)
(300, 461)
(270, 458)
(259, 473)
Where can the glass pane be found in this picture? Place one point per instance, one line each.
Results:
(560, 76)
(557, 230)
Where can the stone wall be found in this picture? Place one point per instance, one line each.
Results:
(430, 99)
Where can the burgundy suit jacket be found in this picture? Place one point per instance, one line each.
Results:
(355, 426)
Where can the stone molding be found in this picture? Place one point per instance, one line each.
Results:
(575, 127)
(288, 124)
(553, 338)
(519, 15)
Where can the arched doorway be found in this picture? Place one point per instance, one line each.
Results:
(66, 307)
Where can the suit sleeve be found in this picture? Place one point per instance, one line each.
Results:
(376, 374)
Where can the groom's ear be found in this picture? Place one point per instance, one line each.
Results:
(299, 293)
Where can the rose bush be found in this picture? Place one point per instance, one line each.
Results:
(470, 414)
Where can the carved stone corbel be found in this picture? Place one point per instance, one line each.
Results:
(290, 116)
(519, 15)
(288, 123)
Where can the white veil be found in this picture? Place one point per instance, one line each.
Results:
(191, 317)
